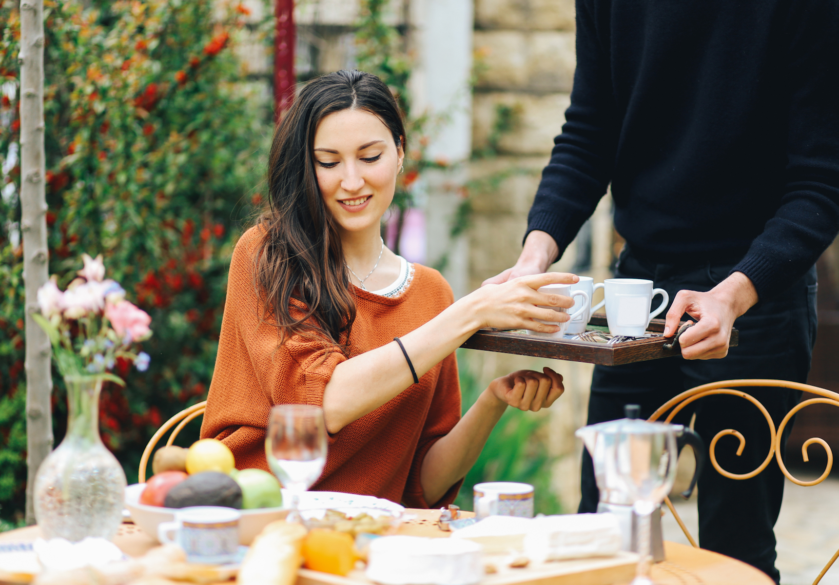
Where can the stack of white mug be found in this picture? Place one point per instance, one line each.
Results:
(627, 301)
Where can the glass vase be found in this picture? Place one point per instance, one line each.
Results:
(80, 486)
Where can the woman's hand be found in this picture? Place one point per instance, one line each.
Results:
(513, 304)
(528, 390)
(451, 457)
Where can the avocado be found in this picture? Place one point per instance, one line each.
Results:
(208, 488)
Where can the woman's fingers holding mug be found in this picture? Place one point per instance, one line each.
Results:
(538, 280)
(553, 300)
(544, 314)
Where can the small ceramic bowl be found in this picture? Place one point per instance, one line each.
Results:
(353, 520)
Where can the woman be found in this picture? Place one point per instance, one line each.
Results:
(315, 300)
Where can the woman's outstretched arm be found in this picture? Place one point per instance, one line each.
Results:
(451, 457)
(363, 383)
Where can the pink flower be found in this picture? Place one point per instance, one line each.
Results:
(130, 322)
(50, 298)
(94, 268)
(83, 298)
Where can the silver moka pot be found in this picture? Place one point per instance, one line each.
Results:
(601, 440)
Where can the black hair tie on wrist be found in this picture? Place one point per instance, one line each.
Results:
(407, 359)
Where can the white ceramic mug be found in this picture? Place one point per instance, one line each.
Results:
(208, 534)
(628, 302)
(564, 290)
(578, 324)
(503, 498)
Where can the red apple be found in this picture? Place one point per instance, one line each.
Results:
(159, 485)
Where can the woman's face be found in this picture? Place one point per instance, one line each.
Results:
(356, 161)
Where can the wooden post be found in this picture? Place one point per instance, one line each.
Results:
(284, 40)
(34, 227)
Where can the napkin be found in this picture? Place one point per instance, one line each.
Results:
(547, 538)
(59, 554)
(572, 536)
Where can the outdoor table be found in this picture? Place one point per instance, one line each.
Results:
(685, 565)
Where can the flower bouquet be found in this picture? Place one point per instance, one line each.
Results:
(79, 488)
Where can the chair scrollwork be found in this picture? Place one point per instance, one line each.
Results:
(672, 407)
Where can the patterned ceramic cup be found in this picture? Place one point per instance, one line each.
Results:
(503, 498)
(208, 534)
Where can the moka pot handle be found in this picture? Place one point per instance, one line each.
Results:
(689, 437)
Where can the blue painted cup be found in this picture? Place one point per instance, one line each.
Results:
(208, 534)
(503, 498)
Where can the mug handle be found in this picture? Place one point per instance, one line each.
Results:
(579, 312)
(601, 303)
(663, 304)
(163, 530)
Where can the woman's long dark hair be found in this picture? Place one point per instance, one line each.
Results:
(300, 257)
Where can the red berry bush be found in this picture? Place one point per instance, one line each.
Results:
(155, 153)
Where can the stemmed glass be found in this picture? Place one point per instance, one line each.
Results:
(295, 446)
(646, 457)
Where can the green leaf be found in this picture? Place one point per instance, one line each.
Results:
(52, 332)
(112, 378)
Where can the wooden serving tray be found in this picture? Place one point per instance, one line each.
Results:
(594, 571)
(626, 352)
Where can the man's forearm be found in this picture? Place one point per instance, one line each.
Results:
(540, 251)
(738, 291)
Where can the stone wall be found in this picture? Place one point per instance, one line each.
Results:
(525, 60)
(325, 41)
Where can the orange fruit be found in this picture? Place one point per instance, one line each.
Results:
(329, 552)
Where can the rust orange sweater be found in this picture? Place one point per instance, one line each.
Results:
(381, 453)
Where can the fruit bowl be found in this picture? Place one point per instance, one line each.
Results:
(149, 517)
(314, 507)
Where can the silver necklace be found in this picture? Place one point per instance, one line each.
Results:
(376, 265)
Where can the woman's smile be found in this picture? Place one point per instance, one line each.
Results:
(356, 203)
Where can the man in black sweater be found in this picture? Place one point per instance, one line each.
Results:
(717, 125)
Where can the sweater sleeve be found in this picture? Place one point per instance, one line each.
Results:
(253, 373)
(443, 415)
(583, 156)
(808, 218)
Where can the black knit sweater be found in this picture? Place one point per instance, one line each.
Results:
(717, 124)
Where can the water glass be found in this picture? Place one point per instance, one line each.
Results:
(295, 445)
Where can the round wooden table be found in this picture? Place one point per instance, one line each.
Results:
(685, 565)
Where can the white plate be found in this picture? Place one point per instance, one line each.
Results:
(341, 501)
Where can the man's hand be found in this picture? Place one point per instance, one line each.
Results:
(715, 312)
(528, 390)
(539, 252)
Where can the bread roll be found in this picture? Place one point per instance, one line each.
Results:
(274, 556)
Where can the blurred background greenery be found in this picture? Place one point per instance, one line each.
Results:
(156, 140)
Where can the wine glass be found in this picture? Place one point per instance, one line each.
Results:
(646, 457)
(295, 445)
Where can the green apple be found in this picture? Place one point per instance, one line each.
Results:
(260, 489)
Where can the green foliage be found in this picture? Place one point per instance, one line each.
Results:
(515, 451)
(153, 150)
(506, 117)
(381, 51)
